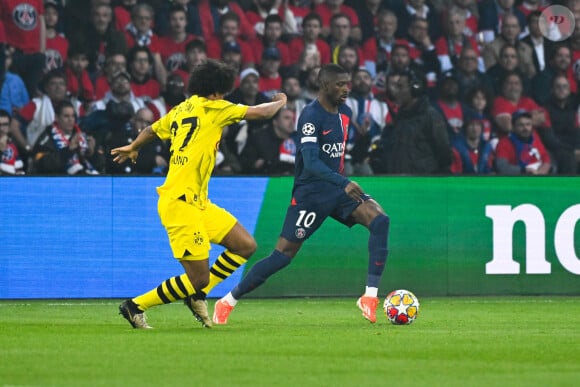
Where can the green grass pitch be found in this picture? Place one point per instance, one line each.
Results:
(456, 341)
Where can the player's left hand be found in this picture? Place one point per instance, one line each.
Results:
(354, 191)
(124, 153)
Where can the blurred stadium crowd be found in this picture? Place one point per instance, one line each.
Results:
(78, 78)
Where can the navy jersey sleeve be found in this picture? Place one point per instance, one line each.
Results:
(311, 144)
(308, 129)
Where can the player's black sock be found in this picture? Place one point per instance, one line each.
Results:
(378, 239)
(224, 266)
(260, 272)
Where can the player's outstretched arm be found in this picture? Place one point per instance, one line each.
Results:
(131, 151)
(266, 110)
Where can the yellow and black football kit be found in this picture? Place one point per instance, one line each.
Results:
(192, 221)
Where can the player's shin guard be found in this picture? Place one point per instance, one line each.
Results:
(378, 239)
(172, 289)
(222, 268)
(260, 272)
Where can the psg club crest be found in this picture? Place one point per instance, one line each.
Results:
(25, 16)
(300, 233)
(53, 59)
(174, 61)
(308, 129)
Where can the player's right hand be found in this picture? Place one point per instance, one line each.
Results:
(124, 153)
(354, 191)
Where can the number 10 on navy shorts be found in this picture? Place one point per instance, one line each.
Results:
(310, 207)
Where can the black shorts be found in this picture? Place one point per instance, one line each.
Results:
(311, 205)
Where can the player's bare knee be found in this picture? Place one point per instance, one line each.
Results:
(247, 247)
(251, 247)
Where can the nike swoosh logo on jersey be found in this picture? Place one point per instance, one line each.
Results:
(325, 132)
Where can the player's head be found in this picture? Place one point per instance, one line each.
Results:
(212, 77)
(334, 83)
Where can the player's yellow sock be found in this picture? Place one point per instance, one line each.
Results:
(222, 268)
(174, 288)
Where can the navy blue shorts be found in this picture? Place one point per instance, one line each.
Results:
(310, 207)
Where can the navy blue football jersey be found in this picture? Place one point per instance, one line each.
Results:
(327, 132)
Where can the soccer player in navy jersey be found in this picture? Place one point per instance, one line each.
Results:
(320, 190)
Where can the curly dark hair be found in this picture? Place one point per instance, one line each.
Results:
(210, 78)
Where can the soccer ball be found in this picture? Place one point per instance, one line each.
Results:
(401, 307)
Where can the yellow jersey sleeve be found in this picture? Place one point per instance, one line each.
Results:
(162, 127)
(227, 113)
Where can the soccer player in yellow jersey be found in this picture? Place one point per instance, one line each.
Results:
(192, 221)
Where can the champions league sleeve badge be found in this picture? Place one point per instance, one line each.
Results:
(308, 129)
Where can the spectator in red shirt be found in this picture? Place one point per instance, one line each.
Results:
(120, 92)
(195, 54)
(270, 81)
(450, 46)
(449, 104)
(191, 12)
(272, 38)
(211, 13)
(529, 6)
(229, 30)
(331, 8)
(10, 161)
(511, 101)
(173, 45)
(377, 49)
(299, 9)
(140, 33)
(465, 8)
(78, 83)
(140, 66)
(310, 41)
(522, 151)
(26, 37)
(261, 9)
(56, 43)
(123, 14)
